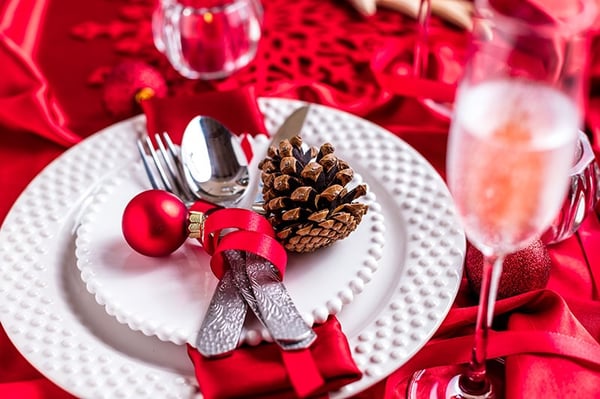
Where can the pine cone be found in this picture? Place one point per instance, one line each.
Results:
(305, 198)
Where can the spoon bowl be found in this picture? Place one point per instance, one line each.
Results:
(213, 161)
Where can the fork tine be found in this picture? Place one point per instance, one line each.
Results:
(158, 165)
(179, 174)
(170, 159)
(147, 168)
(167, 164)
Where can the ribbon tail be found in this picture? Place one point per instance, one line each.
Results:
(303, 372)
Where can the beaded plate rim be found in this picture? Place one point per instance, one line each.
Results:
(57, 325)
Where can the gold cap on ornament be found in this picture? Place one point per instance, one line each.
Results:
(196, 224)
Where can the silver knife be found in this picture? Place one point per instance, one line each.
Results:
(291, 126)
(222, 325)
(269, 300)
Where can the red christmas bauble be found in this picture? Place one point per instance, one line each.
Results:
(154, 223)
(523, 271)
(123, 83)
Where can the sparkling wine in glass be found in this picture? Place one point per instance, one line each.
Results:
(511, 144)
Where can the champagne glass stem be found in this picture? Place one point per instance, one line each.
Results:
(421, 52)
(474, 380)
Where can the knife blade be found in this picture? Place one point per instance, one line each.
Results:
(290, 127)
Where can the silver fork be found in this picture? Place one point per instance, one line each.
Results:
(165, 163)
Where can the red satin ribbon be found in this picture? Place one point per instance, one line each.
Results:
(452, 351)
(249, 241)
(223, 219)
(252, 233)
(418, 88)
(303, 372)
(392, 68)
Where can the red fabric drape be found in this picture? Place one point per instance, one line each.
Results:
(50, 97)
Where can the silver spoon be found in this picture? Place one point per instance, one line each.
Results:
(213, 161)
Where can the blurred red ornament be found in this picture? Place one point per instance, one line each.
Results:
(130, 82)
(154, 223)
(523, 271)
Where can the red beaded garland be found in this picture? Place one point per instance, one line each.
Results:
(524, 270)
(154, 223)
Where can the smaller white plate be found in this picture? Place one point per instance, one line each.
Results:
(168, 296)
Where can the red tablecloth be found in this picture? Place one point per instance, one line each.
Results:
(314, 50)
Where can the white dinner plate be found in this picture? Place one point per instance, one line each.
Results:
(58, 326)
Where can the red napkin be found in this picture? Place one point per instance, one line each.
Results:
(550, 344)
(267, 372)
(26, 103)
(264, 370)
(237, 109)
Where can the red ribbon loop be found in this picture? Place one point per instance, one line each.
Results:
(249, 241)
(233, 218)
(253, 233)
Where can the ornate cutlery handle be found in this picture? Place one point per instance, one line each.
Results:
(269, 300)
(223, 322)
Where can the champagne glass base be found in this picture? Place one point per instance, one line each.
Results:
(444, 383)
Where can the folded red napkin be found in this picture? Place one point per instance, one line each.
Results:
(265, 371)
(237, 109)
(26, 103)
(259, 371)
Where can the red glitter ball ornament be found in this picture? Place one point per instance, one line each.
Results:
(154, 223)
(126, 81)
(523, 271)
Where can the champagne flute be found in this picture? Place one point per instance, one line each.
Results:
(512, 141)
(421, 56)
